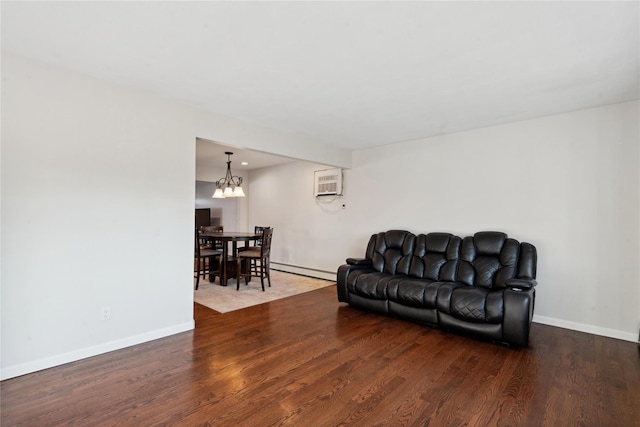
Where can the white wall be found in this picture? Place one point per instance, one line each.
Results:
(567, 183)
(96, 193)
(307, 233)
(97, 211)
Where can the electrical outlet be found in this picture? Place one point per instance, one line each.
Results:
(106, 313)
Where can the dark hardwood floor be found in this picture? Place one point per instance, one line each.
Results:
(311, 361)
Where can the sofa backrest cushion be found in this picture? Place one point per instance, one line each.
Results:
(435, 256)
(391, 251)
(488, 259)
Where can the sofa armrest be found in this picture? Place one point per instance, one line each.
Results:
(518, 313)
(520, 284)
(359, 261)
(342, 279)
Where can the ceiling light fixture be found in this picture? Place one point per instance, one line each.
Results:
(224, 185)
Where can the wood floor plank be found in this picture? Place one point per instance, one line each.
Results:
(309, 360)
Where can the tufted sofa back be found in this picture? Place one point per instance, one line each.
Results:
(390, 252)
(435, 256)
(488, 259)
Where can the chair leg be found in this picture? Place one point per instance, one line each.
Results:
(252, 267)
(268, 273)
(261, 274)
(197, 274)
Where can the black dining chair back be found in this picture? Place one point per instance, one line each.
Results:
(267, 235)
(211, 243)
(259, 229)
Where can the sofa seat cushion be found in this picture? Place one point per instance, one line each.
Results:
(413, 292)
(472, 304)
(352, 278)
(373, 285)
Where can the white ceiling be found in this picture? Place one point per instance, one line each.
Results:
(350, 74)
(211, 154)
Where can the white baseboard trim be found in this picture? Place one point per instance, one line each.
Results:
(589, 329)
(72, 356)
(311, 272)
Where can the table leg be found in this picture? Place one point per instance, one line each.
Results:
(223, 264)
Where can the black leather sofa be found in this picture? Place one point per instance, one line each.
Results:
(482, 285)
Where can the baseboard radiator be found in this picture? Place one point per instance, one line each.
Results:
(305, 271)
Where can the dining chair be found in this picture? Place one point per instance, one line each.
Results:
(203, 261)
(260, 256)
(258, 229)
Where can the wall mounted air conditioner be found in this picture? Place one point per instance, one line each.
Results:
(327, 182)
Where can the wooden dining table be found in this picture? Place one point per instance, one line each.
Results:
(228, 262)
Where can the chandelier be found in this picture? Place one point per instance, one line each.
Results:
(229, 186)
